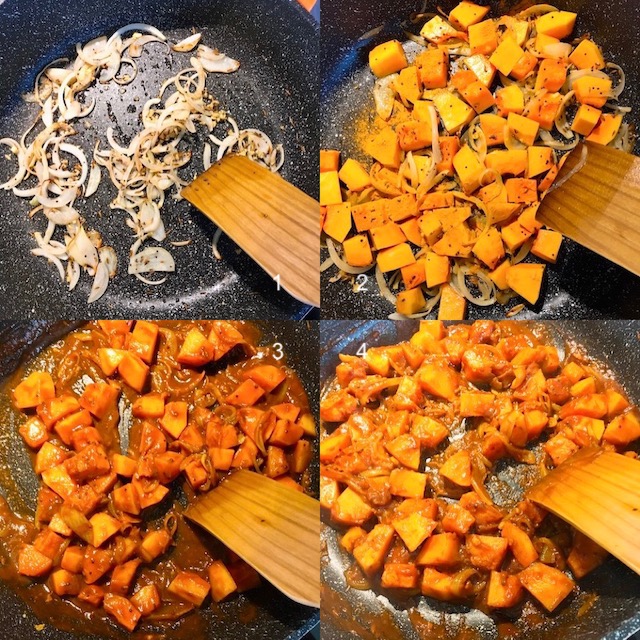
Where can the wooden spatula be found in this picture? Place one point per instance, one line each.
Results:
(598, 492)
(274, 222)
(599, 206)
(272, 527)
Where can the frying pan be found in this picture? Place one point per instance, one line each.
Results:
(267, 614)
(616, 611)
(581, 284)
(275, 89)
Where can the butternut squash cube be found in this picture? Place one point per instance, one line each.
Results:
(407, 484)
(489, 248)
(429, 431)
(433, 67)
(414, 529)
(592, 91)
(551, 74)
(329, 160)
(467, 13)
(547, 584)
(587, 55)
(400, 575)
(520, 543)
(410, 301)
(483, 37)
(414, 135)
(493, 128)
(387, 58)
(523, 128)
(437, 269)
(526, 280)
(457, 469)
(369, 214)
(440, 550)
(480, 65)
(486, 552)
(478, 96)
(606, 129)
(330, 188)
(585, 119)
(585, 555)
(453, 306)
(543, 108)
(499, 275)
(371, 553)
(411, 229)
(395, 257)
(504, 590)
(354, 175)
(558, 24)
(350, 509)
(539, 160)
(453, 112)
(517, 30)
(507, 162)
(506, 56)
(337, 222)
(386, 235)
(357, 251)
(510, 99)
(384, 147)
(622, 430)
(547, 245)
(527, 63)
(521, 190)
(408, 84)
(430, 227)
(514, 235)
(468, 168)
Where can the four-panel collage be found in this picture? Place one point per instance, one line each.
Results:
(319, 320)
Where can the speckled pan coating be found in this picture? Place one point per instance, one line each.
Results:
(275, 89)
(582, 284)
(615, 615)
(277, 617)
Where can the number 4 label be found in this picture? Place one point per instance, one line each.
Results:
(362, 351)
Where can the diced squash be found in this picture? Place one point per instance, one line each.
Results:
(73, 559)
(521, 190)
(587, 55)
(551, 74)
(468, 168)
(414, 135)
(440, 550)
(104, 526)
(467, 13)
(56, 408)
(410, 301)
(429, 431)
(32, 562)
(483, 37)
(585, 119)
(146, 599)
(504, 590)
(125, 498)
(543, 108)
(387, 58)
(547, 584)
(385, 148)
(559, 448)
(414, 529)
(133, 371)
(510, 99)
(396, 575)
(616, 402)
(354, 175)
(144, 340)
(453, 306)
(437, 30)
(453, 112)
(266, 376)
(539, 160)
(357, 251)
(190, 587)
(457, 519)
(433, 66)
(97, 562)
(401, 207)
(507, 162)
(489, 248)
(407, 484)
(515, 235)
(523, 128)
(245, 576)
(175, 417)
(413, 275)
(438, 379)
(330, 188)
(606, 129)
(592, 90)
(99, 398)
(395, 257)
(386, 235)
(196, 350)
(221, 581)
(329, 160)
(558, 24)
(478, 96)
(524, 66)
(622, 430)
(520, 544)
(499, 275)
(123, 610)
(154, 544)
(36, 388)
(486, 552)
(371, 553)
(506, 56)
(457, 469)
(547, 245)
(526, 280)
(34, 432)
(481, 67)
(493, 128)
(585, 555)
(350, 509)
(245, 395)
(408, 84)
(437, 269)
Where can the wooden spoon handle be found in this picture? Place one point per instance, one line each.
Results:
(599, 206)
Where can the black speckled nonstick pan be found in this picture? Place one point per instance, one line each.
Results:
(275, 90)
(349, 614)
(581, 284)
(261, 614)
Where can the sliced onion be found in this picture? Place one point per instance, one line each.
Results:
(82, 250)
(557, 50)
(487, 288)
(94, 180)
(215, 62)
(151, 260)
(435, 137)
(549, 141)
(109, 258)
(136, 26)
(22, 167)
(384, 95)
(73, 274)
(214, 244)
(100, 283)
(561, 121)
(385, 292)
(619, 88)
(187, 44)
(62, 215)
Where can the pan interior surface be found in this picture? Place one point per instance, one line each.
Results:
(262, 614)
(274, 90)
(581, 284)
(614, 612)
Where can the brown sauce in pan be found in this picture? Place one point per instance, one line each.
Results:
(72, 362)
